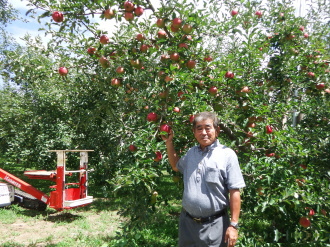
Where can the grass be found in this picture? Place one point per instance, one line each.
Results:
(95, 225)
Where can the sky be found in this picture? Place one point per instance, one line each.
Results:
(19, 29)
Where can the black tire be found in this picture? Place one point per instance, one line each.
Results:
(30, 201)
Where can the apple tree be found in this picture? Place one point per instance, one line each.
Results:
(131, 70)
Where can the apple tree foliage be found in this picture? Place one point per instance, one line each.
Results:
(263, 66)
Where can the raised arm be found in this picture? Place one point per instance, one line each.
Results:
(171, 153)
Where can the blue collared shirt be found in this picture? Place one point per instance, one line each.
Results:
(208, 176)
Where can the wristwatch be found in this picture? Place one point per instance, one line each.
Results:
(235, 225)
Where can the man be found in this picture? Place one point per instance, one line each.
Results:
(212, 179)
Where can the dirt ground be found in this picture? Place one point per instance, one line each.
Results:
(54, 228)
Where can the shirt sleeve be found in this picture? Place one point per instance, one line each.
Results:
(180, 165)
(235, 178)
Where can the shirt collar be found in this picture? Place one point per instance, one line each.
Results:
(215, 144)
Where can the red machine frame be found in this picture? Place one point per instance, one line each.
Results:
(62, 197)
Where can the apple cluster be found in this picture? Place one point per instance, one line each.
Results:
(130, 11)
(176, 25)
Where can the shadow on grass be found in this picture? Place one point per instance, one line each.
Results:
(98, 205)
(101, 204)
(66, 217)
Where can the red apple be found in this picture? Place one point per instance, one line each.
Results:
(310, 74)
(183, 45)
(302, 28)
(251, 125)
(57, 16)
(161, 34)
(306, 35)
(168, 78)
(91, 50)
(304, 222)
(152, 117)
(187, 28)
(104, 62)
(270, 154)
(176, 109)
(258, 13)
(234, 12)
(138, 11)
(128, 6)
(229, 75)
(120, 70)
(177, 22)
(191, 118)
(144, 48)
(175, 56)
(320, 86)
(174, 29)
(213, 90)
(158, 157)
(115, 82)
(128, 16)
(300, 181)
(245, 89)
(191, 64)
(180, 95)
(165, 128)
(269, 129)
(208, 58)
(132, 148)
(140, 37)
(311, 212)
(109, 14)
(63, 71)
(104, 39)
(160, 23)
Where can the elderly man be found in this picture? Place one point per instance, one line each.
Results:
(212, 179)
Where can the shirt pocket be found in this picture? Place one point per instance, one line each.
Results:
(212, 175)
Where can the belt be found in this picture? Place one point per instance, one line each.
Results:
(207, 219)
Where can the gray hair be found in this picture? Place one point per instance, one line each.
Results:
(205, 116)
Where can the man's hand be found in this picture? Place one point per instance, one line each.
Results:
(168, 137)
(231, 236)
(172, 155)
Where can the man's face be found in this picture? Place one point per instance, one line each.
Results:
(205, 133)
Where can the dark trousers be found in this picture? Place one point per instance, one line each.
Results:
(208, 234)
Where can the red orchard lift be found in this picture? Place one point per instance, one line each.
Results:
(65, 195)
